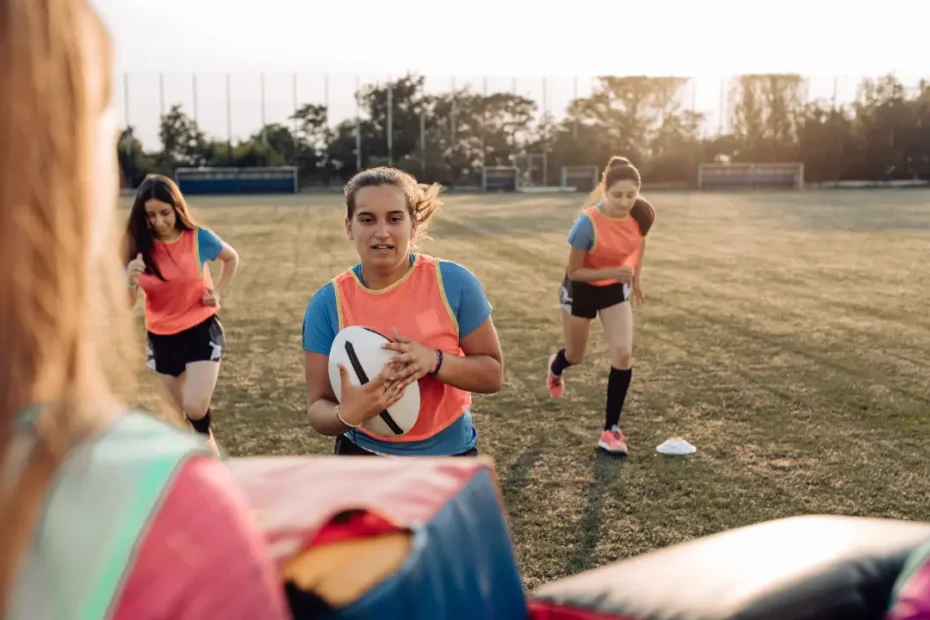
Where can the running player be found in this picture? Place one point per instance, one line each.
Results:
(167, 255)
(605, 266)
(435, 311)
(105, 512)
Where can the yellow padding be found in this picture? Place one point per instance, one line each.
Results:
(342, 572)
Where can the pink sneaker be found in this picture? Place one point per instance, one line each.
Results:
(554, 384)
(613, 441)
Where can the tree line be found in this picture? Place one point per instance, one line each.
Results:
(883, 135)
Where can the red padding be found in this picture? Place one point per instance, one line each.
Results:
(542, 610)
(357, 525)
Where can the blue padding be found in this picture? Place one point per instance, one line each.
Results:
(282, 185)
(462, 566)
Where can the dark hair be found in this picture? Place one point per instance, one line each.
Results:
(139, 237)
(621, 169)
(422, 199)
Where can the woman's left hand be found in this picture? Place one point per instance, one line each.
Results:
(413, 362)
(638, 297)
(212, 298)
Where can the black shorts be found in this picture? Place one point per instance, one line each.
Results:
(171, 353)
(586, 300)
(346, 447)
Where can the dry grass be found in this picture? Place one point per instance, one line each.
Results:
(784, 334)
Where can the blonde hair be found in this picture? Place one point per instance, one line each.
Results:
(60, 306)
(422, 199)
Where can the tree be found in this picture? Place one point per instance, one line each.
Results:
(134, 163)
(448, 136)
(765, 114)
(183, 143)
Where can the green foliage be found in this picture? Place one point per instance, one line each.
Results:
(448, 137)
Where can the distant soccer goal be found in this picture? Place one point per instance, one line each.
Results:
(751, 175)
(224, 181)
(581, 178)
(500, 179)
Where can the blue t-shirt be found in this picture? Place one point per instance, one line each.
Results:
(468, 301)
(209, 245)
(581, 236)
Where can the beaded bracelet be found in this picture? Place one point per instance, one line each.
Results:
(439, 357)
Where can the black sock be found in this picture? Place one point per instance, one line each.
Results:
(559, 364)
(618, 384)
(202, 425)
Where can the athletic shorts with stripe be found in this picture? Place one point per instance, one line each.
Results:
(169, 354)
(585, 300)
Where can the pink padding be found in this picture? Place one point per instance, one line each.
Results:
(293, 497)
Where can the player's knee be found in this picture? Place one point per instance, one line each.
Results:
(621, 358)
(196, 408)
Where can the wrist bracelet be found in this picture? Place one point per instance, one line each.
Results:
(339, 417)
(439, 357)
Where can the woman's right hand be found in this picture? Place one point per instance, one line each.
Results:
(134, 269)
(623, 274)
(360, 403)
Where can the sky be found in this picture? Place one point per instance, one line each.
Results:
(508, 41)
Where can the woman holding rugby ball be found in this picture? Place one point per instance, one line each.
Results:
(604, 273)
(434, 311)
(167, 255)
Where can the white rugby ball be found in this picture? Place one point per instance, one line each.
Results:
(359, 350)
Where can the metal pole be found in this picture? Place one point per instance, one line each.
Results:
(484, 122)
(126, 107)
(126, 96)
(452, 115)
(422, 144)
(229, 153)
(358, 128)
(194, 89)
(390, 123)
(294, 97)
(545, 171)
(723, 105)
(161, 92)
(325, 100)
(264, 125)
(575, 116)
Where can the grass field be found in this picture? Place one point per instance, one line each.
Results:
(786, 335)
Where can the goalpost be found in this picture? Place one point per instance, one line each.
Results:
(581, 178)
(230, 180)
(751, 175)
(500, 178)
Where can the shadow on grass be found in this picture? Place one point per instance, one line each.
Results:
(516, 477)
(607, 468)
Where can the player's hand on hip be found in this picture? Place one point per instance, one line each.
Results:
(360, 403)
(134, 269)
(212, 298)
(413, 360)
(638, 296)
(623, 274)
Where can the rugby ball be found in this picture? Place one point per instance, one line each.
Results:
(359, 350)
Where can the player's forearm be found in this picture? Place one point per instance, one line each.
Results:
(323, 419)
(230, 266)
(480, 374)
(586, 274)
(638, 272)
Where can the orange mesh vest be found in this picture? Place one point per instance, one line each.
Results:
(618, 242)
(417, 306)
(176, 304)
